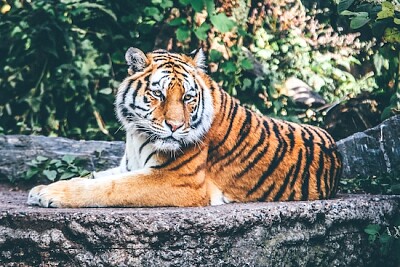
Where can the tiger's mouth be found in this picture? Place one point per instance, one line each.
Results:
(167, 144)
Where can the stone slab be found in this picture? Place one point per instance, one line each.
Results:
(315, 233)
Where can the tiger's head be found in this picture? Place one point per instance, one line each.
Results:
(166, 97)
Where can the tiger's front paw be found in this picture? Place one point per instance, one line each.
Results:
(57, 195)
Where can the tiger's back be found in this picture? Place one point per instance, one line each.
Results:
(257, 158)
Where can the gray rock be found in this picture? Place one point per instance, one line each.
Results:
(375, 151)
(17, 150)
(315, 233)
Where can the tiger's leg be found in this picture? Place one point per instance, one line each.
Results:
(135, 189)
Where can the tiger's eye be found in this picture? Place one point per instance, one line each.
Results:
(187, 97)
(157, 93)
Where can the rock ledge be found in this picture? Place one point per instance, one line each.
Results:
(315, 233)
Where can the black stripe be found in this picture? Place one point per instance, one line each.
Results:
(327, 185)
(321, 165)
(127, 89)
(264, 130)
(276, 160)
(223, 99)
(297, 170)
(196, 171)
(291, 197)
(126, 163)
(135, 92)
(257, 158)
(329, 150)
(267, 193)
(290, 135)
(285, 184)
(227, 133)
(138, 107)
(186, 161)
(149, 157)
(309, 144)
(143, 145)
(320, 169)
(240, 152)
(244, 132)
(168, 162)
(127, 114)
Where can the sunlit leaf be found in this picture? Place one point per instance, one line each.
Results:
(68, 158)
(222, 22)
(344, 4)
(197, 5)
(359, 21)
(105, 91)
(215, 55)
(50, 174)
(182, 33)
(201, 32)
(67, 175)
(177, 21)
(392, 35)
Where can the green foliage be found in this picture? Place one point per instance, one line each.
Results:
(63, 61)
(387, 239)
(55, 169)
(60, 65)
(389, 185)
(382, 21)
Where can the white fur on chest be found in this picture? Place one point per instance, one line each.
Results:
(139, 154)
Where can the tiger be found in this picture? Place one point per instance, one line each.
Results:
(189, 143)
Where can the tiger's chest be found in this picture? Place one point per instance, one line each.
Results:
(139, 153)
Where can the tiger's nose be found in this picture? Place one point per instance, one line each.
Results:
(174, 125)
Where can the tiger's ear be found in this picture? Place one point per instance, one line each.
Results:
(136, 60)
(199, 58)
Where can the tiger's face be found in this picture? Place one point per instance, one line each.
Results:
(166, 98)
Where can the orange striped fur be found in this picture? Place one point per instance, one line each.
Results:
(191, 144)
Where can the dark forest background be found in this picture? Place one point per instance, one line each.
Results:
(332, 63)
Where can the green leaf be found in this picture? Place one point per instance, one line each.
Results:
(201, 32)
(31, 172)
(41, 158)
(105, 91)
(344, 4)
(246, 64)
(348, 13)
(372, 229)
(51, 175)
(222, 22)
(83, 173)
(210, 7)
(177, 21)
(67, 175)
(154, 13)
(359, 21)
(215, 55)
(85, 5)
(68, 158)
(392, 35)
(246, 83)
(396, 21)
(184, 2)
(387, 11)
(166, 4)
(182, 33)
(229, 67)
(197, 5)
